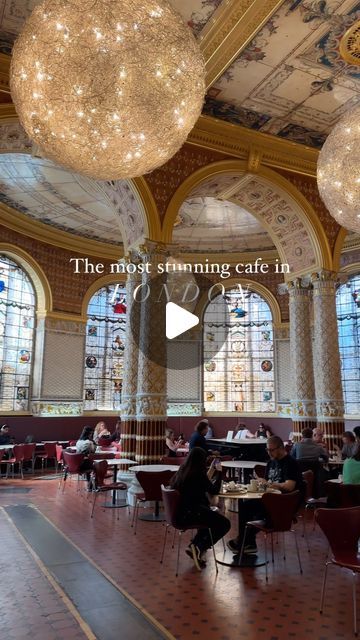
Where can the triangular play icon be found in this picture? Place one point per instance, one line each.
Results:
(178, 320)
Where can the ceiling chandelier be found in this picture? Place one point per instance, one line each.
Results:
(338, 168)
(106, 88)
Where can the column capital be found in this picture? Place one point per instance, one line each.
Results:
(324, 275)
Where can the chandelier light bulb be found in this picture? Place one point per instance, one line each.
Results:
(106, 88)
(338, 171)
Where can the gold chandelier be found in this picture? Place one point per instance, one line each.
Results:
(106, 88)
(338, 168)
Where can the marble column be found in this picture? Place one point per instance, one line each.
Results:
(303, 403)
(131, 356)
(327, 367)
(151, 399)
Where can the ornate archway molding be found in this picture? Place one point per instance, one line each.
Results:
(44, 301)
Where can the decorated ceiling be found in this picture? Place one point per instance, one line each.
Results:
(291, 81)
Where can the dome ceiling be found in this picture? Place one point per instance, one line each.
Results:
(205, 224)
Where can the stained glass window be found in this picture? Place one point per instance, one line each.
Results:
(348, 315)
(104, 353)
(238, 353)
(17, 321)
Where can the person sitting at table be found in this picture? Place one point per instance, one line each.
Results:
(307, 449)
(351, 469)
(172, 445)
(283, 473)
(263, 431)
(100, 429)
(318, 437)
(210, 432)
(86, 446)
(198, 437)
(350, 446)
(116, 435)
(5, 437)
(194, 484)
(241, 432)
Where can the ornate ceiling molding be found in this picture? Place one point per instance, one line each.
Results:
(233, 25)
(239, 142)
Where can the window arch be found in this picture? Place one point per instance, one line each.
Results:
(104, 351)
(348, 316)
(17, 324)
(240, 375)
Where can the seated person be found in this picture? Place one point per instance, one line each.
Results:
(241, 432)
(283, 472)
(351, 470)
(350, 446)
(263, 431)
(307, 449)
(198, 437)
(100, 428)
(194, 484)
(86, 446)
(318, 437)
(172, 445)
(5, 437)
(116, 435)
(210, 432)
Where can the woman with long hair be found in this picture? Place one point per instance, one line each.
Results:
(194, 483)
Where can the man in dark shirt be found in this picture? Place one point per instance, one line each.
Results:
(198, 437)
(5, 437)
(283, 472)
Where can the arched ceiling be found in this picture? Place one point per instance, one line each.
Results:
(205, 224)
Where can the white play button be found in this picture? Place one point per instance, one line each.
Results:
(178, 320)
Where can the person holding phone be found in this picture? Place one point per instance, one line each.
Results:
(195, 484)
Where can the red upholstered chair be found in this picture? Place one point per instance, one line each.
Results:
(176, 460)
(16, 458)
(72, 463)
(342, 529)
(48, 453)
(29, 454)
(171, 499)
(150, 482)
(281, 509)
(59, 457)
(100, 486)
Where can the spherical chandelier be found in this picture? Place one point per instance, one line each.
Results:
(106, 88)
(338, 171)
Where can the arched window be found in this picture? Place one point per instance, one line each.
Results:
(238, 371)
(105, 344)
(348, 315)
(17, 321)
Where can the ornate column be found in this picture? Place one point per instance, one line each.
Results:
(151, 399)
(328, 386)
(131, 356)
(303, 403)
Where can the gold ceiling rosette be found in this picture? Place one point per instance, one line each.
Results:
(108, 89)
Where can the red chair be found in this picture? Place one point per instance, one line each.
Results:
(281, 509)
(59, 457)
(72, 464)
(342, 530)
(17, 458)
(72, 443)
(176, 460)
(100, 486)
(171, 499)
(29, 454)
(150, 482)
(48, 453)
(308, 477)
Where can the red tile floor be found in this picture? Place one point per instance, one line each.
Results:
(233, 605)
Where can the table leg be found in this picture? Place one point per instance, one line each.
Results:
(153, 517)
(115, 504)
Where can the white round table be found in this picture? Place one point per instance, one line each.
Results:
(136, 487)
(115, 463)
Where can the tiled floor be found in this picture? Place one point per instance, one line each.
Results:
(235, 604)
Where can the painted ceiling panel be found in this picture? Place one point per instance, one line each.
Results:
(291, 81)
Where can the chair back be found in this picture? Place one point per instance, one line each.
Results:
(29, 450)
(18, 451)
(100, 470)
(350, 495)
(73, 461)
(59, 453)
(151, 482)
(281, 508)
(259, 470)
(308, 477)
(50, 449)
(177, 460)
(171, 501)
(341, 527)
(1, 454)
